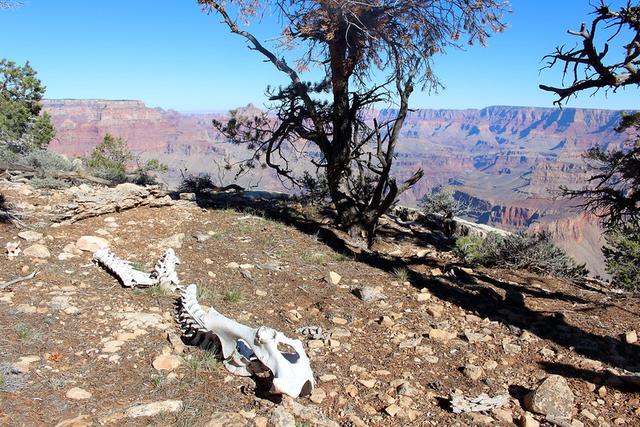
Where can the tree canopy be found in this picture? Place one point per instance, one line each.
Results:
(21, 125)
(370, 53)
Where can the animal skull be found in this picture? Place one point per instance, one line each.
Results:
(247, 351)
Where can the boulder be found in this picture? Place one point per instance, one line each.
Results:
(552, 398)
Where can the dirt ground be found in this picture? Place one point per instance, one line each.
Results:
(379, 363)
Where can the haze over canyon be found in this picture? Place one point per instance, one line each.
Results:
(507, 162)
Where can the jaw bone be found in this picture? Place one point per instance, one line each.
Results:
(247, 351)
(164, 273)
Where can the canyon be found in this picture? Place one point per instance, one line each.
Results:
(506, 162)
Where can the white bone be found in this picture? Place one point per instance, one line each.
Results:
(130, 277)
(165, 270)
(246, 350)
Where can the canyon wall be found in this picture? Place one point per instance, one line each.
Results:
(509, 161)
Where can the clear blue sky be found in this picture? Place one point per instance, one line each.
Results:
(169, 54)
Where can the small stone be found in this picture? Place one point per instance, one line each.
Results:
(436, 272)
(155, 408)
(246, 266)
(588, 415)
(318, 395)
(278, 417)
(339, 320)
(368, 383)
(435, 310)
(327, 377)
(315, 344)
(552, 397)
(411, 343)
(368, 294)
(333, 278)
(191, 197)
(37, 251)
(91, 243)
(602, 391)
(392, 410)
(480, 419)
(77, 393)
(201, 237)
(233, 265)
(386, 321)
(226, 419)
(527, 420)
(23, 364)
(503, 415)
(423, 297)
(79, 421)
(473, 372)
(631, 337)
(261, 293)
(166, 362)
(441, 335)
(511, 348)
(30, 235)
(406, 389)
(174, 241)
(547, 352)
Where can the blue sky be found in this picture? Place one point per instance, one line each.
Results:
(169, 54)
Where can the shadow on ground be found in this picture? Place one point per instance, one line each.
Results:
(482, 300)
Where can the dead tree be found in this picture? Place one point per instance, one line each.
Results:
(587, 67)
(613, 190)
(371, 53)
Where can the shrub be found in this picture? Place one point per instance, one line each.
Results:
(43, 160)
(196, 183)
(623, 256)
(49, 183)
(109, 159)
(441, 201)
(533, 252)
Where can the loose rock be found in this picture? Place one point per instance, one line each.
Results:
(552, 397)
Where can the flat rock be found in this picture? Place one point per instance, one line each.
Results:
(166, 362)
(30, 235)
(91, 243)
(77, 393)
(155, 408)
(226, 419)
(368, 294)
(37, 251)
(79, 421)
(552, 398)
(441, 335)
(174, 242)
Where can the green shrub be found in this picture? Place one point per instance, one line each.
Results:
(109, 159)
(533, 252)
(49, 183)
(441, 201)
(623, 256)
(43, 160)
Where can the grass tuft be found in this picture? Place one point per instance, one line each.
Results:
(401, 274)
(232, 296)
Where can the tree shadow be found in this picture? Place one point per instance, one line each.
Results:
(481, 300)
(623, 383)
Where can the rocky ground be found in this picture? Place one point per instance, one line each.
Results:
(400, 332)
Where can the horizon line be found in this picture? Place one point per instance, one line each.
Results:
(415, 109)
